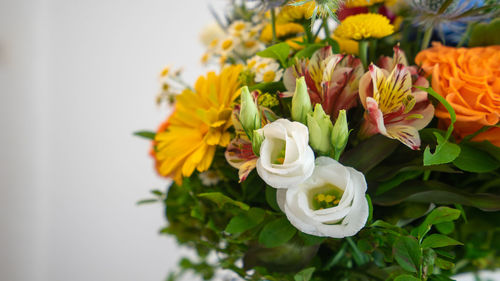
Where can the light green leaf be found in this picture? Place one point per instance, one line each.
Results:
(438, 241)
(485, 34)
(221, 199)
(145, 134)
(407, 253)
(245, 221)
(276, 233)
(305, 274)
(438, 215)
(279, 52)
(474, 160)
(308, 51)
(445, 152)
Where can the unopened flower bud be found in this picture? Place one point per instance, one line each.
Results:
(301, 102)
(257, 139)
(340, 134)
(249, 113)
(320, 130)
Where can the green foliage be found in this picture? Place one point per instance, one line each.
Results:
(407, 253)
(474, 160)
(485, 34)
(245, 221)
(145, 134)
(276, 233)
(305, 274)
(278, 52)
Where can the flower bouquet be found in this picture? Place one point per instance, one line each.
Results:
(337, 140)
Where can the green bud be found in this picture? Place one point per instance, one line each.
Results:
(320, 129)
(249, 113)
(257, 139)
(301, 103)
(340, 134)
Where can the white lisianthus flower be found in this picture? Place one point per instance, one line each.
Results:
(286, 159)
(330, 203)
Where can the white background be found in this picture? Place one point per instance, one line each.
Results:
(77, 77)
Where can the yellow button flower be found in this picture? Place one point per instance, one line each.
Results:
(364, 26)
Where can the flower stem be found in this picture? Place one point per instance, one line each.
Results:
(427, 38)
(273, 24)
(310, 36)
(326, 28)
(363, 53)
(373, 49)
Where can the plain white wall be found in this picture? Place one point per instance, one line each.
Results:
(76, 79)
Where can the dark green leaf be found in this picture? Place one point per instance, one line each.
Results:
(474, 160)
(276, 233)
(370, 208)
(445, 227)
(310, 240)
(487, 147)
(305, 274)
(438, 241)
(271, 198)
(245, 221)
(407, 253)
(221, 199)
(145, 134)
(406, 277)
(438, 193)
(359, 257)
(397, 180)
(279, 52)
(363, 158)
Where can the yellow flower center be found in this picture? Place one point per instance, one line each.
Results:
(250, 44)
(227, 44)
(239, 26)
(325, 196)
(269, 76)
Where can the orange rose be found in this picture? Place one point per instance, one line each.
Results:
(469, 79)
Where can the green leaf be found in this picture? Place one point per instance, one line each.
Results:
(279, 52)
(145, 134)
(359, 257)
(147, 201)
(444, 264)
(305, 274)
(308, 51)
(437, 193)
(445, 227)
(488, 147)
(445, 152)
(370, 208)
(271, 198)
(407, 253)
(406, 277)
(397, 180)
(438, 241)
(364, 158)
(221, 199)
(474, 160)
(485, 34)
(310, 240)
(438, 215)
(245, 221)
(276, 233)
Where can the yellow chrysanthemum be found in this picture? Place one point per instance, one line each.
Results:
(282, 31)
(198, 125)
(364, 26)
(293, 13)
(347, 46)
(362, 3)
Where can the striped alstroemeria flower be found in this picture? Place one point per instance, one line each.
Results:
(393, 107)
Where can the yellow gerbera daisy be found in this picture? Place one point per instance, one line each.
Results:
(282, 31)
(292, 13)
(198, 125)
(364, 26)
